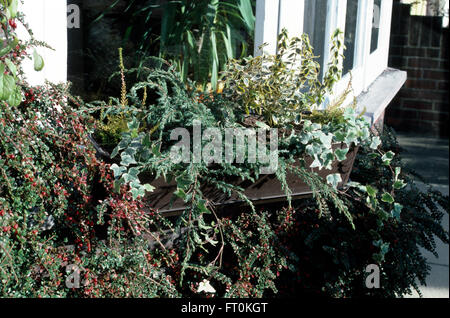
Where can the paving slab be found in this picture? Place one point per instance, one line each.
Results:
(430, 158)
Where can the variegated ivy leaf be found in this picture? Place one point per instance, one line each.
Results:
(398, 170)
(118, 171)
(137, 193)
(357, 185)
(307, 126)
(371, 191)
(397, 210)
(386, 197)
(384, 248)
(334, 179)
(352, 137)
(326, 140)
(365, 133)
(133, 172)
(340, 136)
(127, 160)
(305, 138)
(387, 158)
(349, 113)
(315, 149)
(328, 159)
(341, 154)
(376, 141)
(128, 177)
(123, 144)
(399, 184)
(148, 187)
(316, 164)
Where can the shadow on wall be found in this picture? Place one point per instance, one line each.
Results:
(93, 48)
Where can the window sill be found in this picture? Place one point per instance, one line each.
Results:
(380, 93)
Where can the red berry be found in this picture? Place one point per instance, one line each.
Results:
(12, 23)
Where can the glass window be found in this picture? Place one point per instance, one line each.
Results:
(314, 25)
(351, 20)
(375, 25)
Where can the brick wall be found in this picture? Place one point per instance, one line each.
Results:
(420, 46)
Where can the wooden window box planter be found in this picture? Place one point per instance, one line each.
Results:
(266, 189)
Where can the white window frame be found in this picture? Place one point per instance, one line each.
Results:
(273, 15)
(48, 20)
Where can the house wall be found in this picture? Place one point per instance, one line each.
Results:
(48, 20)
(420, 46)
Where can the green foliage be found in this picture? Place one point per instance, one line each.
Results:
(110, 133)
(45, 178)
(332, 257)
(145, 150)
(61, 206)
(12, 52)
(280, 87)
(199, 37)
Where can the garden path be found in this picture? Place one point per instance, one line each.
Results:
(430, 158)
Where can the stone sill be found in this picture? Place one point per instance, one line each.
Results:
(380, 93)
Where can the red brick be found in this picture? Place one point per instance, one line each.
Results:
(414, 73)
(422, 63)
(433, 52)
(395, 51)
(441, 107)
(399, 40)
(437, 75)
(402, 113)
(444, 52)
(433, 116)
(443, 85)
(398, 61)
(423, 94)
(421, 84)
(414, 52)
(417, 104)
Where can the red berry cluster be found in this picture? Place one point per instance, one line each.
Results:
(29, 97)
(12, 23)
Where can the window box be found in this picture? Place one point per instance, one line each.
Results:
(266, 189)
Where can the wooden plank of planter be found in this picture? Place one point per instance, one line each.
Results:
(266, 189)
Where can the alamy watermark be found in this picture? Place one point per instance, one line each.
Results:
(73, 16)
(376, 16)
(73, 279)
(215, 145)
(373, 277)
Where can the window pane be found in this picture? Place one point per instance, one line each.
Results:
(351, 20)
(375, 25)
(314, 25)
